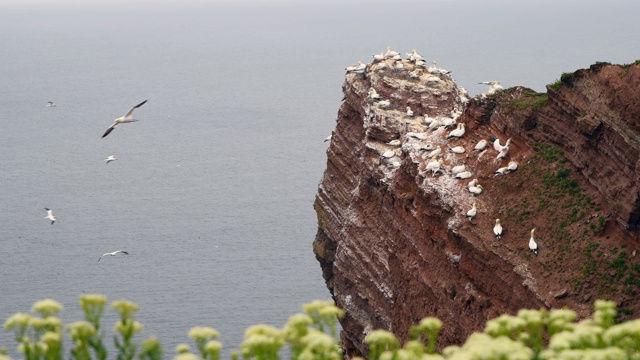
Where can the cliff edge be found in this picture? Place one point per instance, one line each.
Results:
(394, 242)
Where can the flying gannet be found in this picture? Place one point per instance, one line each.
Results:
(110, 159)
(533, 246)
(328, 138)
(497, 229)
(51, 104)
(113, 254)
(50, 215)
(127, 118)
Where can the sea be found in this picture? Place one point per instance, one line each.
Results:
(212, 191)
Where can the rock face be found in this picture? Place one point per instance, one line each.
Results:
(394, 242)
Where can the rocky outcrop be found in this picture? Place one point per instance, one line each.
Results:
(393, 240)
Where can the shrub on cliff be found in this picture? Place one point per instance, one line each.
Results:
(312, 335)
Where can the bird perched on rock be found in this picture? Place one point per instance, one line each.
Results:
(472, 213)
(501, 171)
(498, 147)
(458, 132)
(457, 150)
(409, 112)
(458, 169)
(476, 190)
(480, 145)
(513, 166)
(394, 142)
(497, 229)
(533, 246)
(373, 94)
(384, 103)
(434, 165)
(463, 175)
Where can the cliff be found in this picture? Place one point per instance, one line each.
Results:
(393, 239)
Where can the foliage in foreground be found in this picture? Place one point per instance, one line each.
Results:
(531, 334)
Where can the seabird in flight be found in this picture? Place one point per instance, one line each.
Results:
(113, 254)
(110, 159)
(127, 118)
(50, 215)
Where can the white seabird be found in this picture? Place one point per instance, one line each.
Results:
(434, 152)
(388, 154)
(378, 57)
(384, 103)
(127, 118)
(533, 246)
(373, 94)
(394, 142)
(476, 190)
(480, 145)
(328, 138)
(463, 175)
(513, 166)
(457, 150)
(472, 213)
(110, 159)
(390, 53)
(501, 171)
(434, 166)
(50, 215)
(409, 112)
(494, 86)
(497, 229)
(447, 122)
(498, 147)
(113, 254)
(458, 132)
(51, 104)
(472, 183)
(458, 169)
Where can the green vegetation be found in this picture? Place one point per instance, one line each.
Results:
(508, 337)
(567, 79)
(556, 85)
(530, 100)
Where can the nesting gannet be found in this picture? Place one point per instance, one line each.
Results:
(384, 103)
(472, 213)
(394, 142)
(435, 152)
(373, 94)
(480, 145)
(513, 166)
(390, 53)
(388, 154)
(409, 112)
(428, 120)
(434, 166)
(113, 254)
(463, 175)
(127, 118)
(51, 104)
(328, 138)
(434, 124)
(458, 132)
(472, 183)
(457, 150)
(50, 215)
(378, 57)
(494, 86)
(414, 56)
(110, 159)
(448, 122)
(476, 190)
(498, 147)
(458, 169)
(533, 246)
(501, 171)
(497, 229)
(416, 135)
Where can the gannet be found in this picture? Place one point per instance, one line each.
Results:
(434, 124)
(497, 229)
(378, 57)
(394, 142)
(113, 254)
(409, 112)
(457, 150)
(476, 190)
(458, 132)
(416, 135)
(51, 104)
(513, 166)
(472, 213)
(127, 118)
(50, 215)
(532, 243)
(501, 171)
(472, 183)
(384, 103)
(447, 122)
(110, 159)
(428, 120)
(494, 86)
(373, 94)
(458, 169)
(390, 53)
(328, 138)
(434, 165)
(434, 152)
(463, 175)
(498, 147)
(388, 154)
(415, 56)
(480, 145)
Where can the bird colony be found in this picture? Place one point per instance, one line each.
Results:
(432, 137)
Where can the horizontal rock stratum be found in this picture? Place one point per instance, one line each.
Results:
(394, 242)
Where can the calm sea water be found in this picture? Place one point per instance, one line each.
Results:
(212, 193)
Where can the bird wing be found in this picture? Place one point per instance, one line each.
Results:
(133, 108)
(124, 252)
(110, 129)
(99, 258)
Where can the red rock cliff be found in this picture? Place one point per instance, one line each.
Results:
(394, 242)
